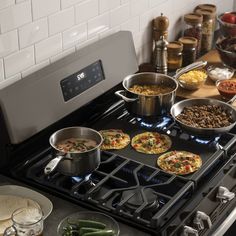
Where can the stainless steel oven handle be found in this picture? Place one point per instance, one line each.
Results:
(224, 195)
(187, 231)
(51, 166)
(199, 220)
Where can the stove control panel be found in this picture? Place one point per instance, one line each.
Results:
(82, 80)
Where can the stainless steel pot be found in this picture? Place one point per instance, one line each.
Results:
(72, 163)
(204, 132)
(148, 105)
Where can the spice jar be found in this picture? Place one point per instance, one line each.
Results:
(207, 29)
(193, 28)
(189, 50)
(210, 7)
(174, 55)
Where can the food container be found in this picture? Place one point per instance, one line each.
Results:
(89, 217)
(189, 52)
(193, 28)
(75, 163)
(216, 73)
(174, 58)
(227, 88)
(193, 79)
(207, 29)
(227, 51)
(210, 7)
(148, 105)
(227, 29)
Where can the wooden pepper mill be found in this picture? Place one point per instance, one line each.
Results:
(160, 26)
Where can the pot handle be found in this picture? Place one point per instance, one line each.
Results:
(51, 166)
(119, 94)
(231, 101)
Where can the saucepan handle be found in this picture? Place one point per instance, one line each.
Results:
(51, 166)
(10, 231)
(231, 101)
(119, 94)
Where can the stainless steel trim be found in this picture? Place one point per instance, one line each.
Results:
(226, 224)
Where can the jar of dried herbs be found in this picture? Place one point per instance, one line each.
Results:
(207, 29)
(193, 28)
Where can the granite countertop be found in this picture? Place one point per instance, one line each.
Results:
(63, 208)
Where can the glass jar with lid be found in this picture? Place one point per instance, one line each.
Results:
(174, 55)
(210, 7)
(207, 29)
(193, 28)
(189, 52)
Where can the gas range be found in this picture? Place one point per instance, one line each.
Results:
(127, 185)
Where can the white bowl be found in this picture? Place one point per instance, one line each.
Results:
(216, 73)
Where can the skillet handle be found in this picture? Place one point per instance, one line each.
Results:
(51, 166)
(231, 101)
(119, 94)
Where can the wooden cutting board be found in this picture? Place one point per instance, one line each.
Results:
(208, 89)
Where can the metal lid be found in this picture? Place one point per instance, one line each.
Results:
(193, 18)
(188, 42)
(175, 46)
(207, 7)
(206, 13)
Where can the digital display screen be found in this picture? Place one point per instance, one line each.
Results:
(82, 80)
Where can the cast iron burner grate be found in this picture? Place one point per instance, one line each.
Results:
(121, 186)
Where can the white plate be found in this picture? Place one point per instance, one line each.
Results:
(45, 203)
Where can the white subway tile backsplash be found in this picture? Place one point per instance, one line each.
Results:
(74, 35)
(105, 5)
(43, 8)
(15, 16)
(131, 25)
(1, 70)
(138, 7)
(34, 68)
(13, 78)
(68, 3)
(33, 32)
(86, 10)
(109, 32)
(19, 61)
(153, 3)
(61, 21)
(98, 24)
(62, 54)
(6, 3)
(47, 30)
(8, 43)
(119, 15)
(87, 42)
(48, 47)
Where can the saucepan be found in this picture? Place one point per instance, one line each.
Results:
(74, 163)
(148, 105)
(204, 132)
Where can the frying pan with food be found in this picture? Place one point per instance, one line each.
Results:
(177, 108)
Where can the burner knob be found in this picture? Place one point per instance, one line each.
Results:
(187, 231)
(199, 220)
(224, 195)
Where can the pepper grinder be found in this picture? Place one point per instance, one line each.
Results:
(160, 26)
(160, 55)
